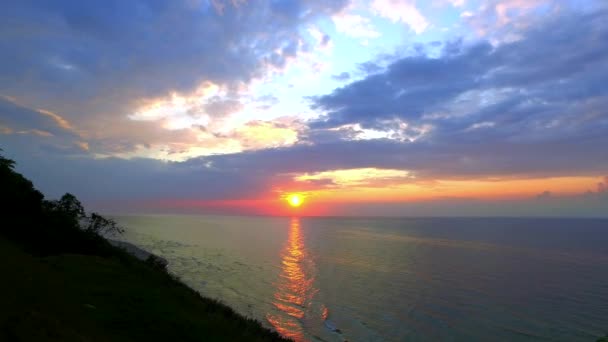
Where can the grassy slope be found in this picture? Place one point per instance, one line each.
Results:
(92, 298)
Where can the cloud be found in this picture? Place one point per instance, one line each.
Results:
(95, 64)
(130, 185)
(22, 125)
(426, 160)
(19, 115)
(263, 134)
(48, 133)
(404, 11)
(138, 179)
(354, 25)
(504, 20)
(457, 3)
(61, 122)
(407, 89)
(344, 76)
(83, 145)
(357, 177)
(507, 9)
(154, 81)
(219, 107)
(323, 40)
(534, 92)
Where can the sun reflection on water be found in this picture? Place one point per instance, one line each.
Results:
(295, 286)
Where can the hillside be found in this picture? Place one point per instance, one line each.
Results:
(61, 281)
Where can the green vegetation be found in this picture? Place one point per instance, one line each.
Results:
(62, 281)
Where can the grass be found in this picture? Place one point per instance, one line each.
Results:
(71, 297)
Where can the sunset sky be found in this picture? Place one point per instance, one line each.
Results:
(383, 107)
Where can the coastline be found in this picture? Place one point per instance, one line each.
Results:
(136, 251)
(66, 281)
(75, 297)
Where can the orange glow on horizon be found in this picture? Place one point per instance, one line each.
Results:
(328, 198)
(272, 206)
(429, 190)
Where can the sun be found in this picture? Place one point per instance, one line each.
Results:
(294, 200)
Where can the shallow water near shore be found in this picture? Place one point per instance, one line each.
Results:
(374, 279)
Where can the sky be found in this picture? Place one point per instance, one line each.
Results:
(383, 107)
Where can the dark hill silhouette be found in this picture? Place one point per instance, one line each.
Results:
(63, 281)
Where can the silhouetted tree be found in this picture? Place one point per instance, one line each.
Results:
(69, 204)
(6, 163)
(100, 225)
(48, 227)
(20, 202)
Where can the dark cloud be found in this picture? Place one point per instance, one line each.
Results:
(341, 77)
(548, 80)
(139, 179)
(370, 67)
(426, 159)
(407, 89)
(144, 46)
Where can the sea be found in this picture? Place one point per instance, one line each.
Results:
(394, 279)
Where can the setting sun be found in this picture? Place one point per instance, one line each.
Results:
(294, 200)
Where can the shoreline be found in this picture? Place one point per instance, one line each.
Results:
(136, 251)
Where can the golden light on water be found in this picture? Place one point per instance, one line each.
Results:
(294, 290)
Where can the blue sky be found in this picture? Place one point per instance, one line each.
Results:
(412, 106)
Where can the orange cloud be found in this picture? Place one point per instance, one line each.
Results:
(59, 120)
(357, 177)
(5, 130)
(83, 145)
(378, 185)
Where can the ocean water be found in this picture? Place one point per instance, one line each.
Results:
(386, 279)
